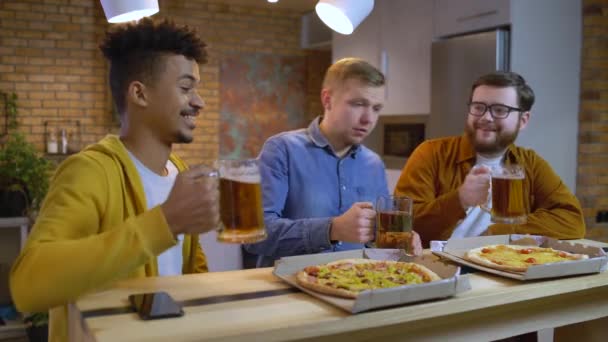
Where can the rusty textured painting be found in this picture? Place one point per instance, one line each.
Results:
(260, 95)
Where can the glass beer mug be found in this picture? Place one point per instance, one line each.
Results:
(508, 195)
(393, 222)
(241, 213)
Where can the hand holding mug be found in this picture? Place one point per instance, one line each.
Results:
(355, 225)
(475, 189)
(192, 205)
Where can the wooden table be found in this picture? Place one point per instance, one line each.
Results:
(494, 308)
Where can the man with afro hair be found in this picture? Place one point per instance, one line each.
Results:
(126, 206)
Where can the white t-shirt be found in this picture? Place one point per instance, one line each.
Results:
(477, 220)
(157, 189)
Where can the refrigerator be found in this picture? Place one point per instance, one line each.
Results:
(456, 62)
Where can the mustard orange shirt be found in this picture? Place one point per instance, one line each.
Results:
(437, 168)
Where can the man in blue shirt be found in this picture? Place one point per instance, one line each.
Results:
(319, 184)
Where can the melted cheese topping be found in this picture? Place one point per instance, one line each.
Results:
(360, 277)
(504, 255)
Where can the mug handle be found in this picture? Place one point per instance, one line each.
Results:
(484, 207)
(213, 172)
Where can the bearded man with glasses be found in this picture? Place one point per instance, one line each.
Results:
(449, 178)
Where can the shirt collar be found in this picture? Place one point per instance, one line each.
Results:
(467, 151)
(317, 137)
(314, 131)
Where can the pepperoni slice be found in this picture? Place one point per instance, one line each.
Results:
(530, 260)
(526, 251)
(562, 254)
(486, 250)
(312, 270)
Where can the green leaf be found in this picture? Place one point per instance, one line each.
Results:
(37, 319)
(21, 166)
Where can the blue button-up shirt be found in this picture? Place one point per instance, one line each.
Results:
(304, 185)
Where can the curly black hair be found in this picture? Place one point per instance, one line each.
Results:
(135, 52)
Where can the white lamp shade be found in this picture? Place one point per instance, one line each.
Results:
(120, 11)
(343, 16)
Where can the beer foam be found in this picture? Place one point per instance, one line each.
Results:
(242, 178)
(506, 176)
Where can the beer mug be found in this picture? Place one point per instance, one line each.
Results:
(393, 222)
(508, 195)
(241, 215)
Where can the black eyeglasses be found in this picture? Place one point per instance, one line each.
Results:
(498, 111)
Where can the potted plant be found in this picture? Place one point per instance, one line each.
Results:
(37, 327)
(24, 174)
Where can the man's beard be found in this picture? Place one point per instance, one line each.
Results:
(500, 143)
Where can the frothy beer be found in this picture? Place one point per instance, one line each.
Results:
(241, 208)
(508, 198)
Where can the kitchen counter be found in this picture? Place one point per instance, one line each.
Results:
(495, 308)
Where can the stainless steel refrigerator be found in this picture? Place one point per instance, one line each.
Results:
(456, 63)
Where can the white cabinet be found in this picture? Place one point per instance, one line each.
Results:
(396, 38)
(406, 42)
(455, 17)
(363, 43)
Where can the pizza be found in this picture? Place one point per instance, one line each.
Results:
(518, 258)
(348, 277)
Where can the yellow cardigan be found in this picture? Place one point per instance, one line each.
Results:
(93, 229)
(438, 167)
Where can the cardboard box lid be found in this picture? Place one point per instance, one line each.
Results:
(451, 284)
(455, 249)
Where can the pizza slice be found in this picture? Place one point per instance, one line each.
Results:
(349, 277)
(516, 258)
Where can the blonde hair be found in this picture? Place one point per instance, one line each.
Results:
(357, 68)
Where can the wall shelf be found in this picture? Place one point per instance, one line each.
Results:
(73, 130)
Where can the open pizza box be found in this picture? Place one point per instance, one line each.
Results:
(455, 249)
(451, 283)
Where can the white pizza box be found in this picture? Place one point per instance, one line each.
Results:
(455, 249)
(451, 283)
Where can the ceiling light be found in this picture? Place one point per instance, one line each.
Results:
(343, 16)
(273, 1)
(120, 11)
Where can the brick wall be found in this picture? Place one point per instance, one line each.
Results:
(592, 179)
(49, 57)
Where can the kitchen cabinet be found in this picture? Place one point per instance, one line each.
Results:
(457, 17)
(364, 42)
(396, 37)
